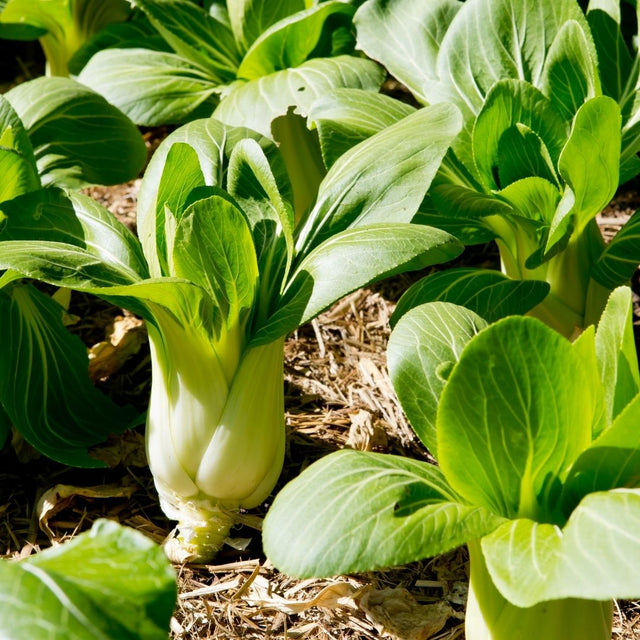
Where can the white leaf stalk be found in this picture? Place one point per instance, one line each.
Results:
(490, 616)
(215, 444)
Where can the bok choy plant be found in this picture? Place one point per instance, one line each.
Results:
(54, 131)
(222, 276)
(538, 448)
(262, 56)
(61, 26)
(549, 99)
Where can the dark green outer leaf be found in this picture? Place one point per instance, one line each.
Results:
(111, 582)
(423, 348)
(44, 381)
(77, 136)
(489, 293)
(373, 511)
(621, 257)
(51, 215)
(136, 33)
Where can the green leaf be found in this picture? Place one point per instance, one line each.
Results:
(522, 154)
(51, 215)
(250, 18)
(590, 160)
(405, 37)
(456, 201)
(509, 103)
(384, 178)
(616, 352)
(345, 117)
(255, 104)
(619, 260)
(614, 59)
(196, 36)
(503, 440)
(535, 199)
(17, 162)
(423, 348)
(352, 259)
(570, 75)
(291, 41)
(373, 510)
(111, 582)
(152, 87)
(78, 137)
(214, 249)
(611, 462)
(589, 559)
(487, 292)
(44, 381)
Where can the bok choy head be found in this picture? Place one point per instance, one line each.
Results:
(551, 127)
(222, 274)
(538, 450)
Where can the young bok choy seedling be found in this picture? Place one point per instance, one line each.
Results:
(538, 448)
(222, 277)
(552, 127)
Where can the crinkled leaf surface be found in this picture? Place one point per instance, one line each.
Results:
(373, 511)
(111, 582)
(423, 348)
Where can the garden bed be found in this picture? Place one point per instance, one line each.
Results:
(337, 394)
